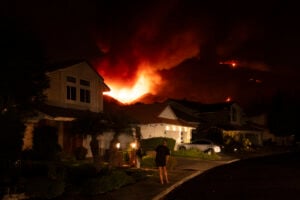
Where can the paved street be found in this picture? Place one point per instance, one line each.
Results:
(273, 177)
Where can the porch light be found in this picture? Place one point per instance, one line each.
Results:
(133, 145)
(118, 145)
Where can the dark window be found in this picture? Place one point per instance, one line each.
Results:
(71, 93)
(85, 96)
(84, 82)
(71, 79)
(234, 114)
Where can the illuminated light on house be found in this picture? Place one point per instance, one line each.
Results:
(185, 129)
(133, 145)
(118, 145)
(167, 128)
(174, 128)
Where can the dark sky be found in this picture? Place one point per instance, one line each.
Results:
(183, 41)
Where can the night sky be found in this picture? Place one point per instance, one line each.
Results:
(179, 41)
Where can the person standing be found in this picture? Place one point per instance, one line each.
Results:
(161, 160)
(139, 155)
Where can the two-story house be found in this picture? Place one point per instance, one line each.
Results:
(226, 117)
(75, 89)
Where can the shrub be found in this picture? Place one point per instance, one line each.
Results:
(148, 161)
(44, 188)
(76, 174)
(80, 153)
(151, 143)
(106, 183)
(45, 143)
(137, 174)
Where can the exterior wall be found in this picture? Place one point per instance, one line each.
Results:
(220, 117)
(104, 141)
(179, 133)
(167, 113)
(28, 136)
(57, 92)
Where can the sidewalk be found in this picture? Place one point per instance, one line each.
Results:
(151, 189)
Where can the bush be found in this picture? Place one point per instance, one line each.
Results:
(148, 162)
(44, 188)
(80, 153)
(106, 183)
(137, 174)
(150, 144)
(45, 143)
(78, 173)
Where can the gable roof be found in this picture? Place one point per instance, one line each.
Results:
(55, 112)
(151, 113)
(69, 63)
(201, 107)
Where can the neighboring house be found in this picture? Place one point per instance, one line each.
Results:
(260, 121)
(162, 120)
(227, 117)
(75, 89)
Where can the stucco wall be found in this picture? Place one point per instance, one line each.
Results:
(56, 93)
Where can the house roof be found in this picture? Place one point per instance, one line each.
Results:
(246, 127)
(68, 63)
(58, 112)
(149, 113)
(202, 107)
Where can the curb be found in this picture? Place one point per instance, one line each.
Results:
(169, 189)
(178, 183)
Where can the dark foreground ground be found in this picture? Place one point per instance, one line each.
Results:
(270, 177)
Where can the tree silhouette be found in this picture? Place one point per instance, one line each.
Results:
(23, 78)
(282, 116)
(22, 81)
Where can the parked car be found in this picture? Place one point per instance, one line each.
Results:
(204, 145)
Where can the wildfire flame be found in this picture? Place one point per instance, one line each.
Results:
(131, 64)
(231, 63)
(145, 81)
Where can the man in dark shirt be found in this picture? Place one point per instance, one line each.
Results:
(161, 159)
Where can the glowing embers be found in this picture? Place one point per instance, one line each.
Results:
(231, 63)
(228, 99)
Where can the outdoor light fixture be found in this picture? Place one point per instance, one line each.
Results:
(118, 145)
(133, 145)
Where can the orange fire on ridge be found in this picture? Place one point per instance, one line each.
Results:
(145, 82)
(131, 63)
